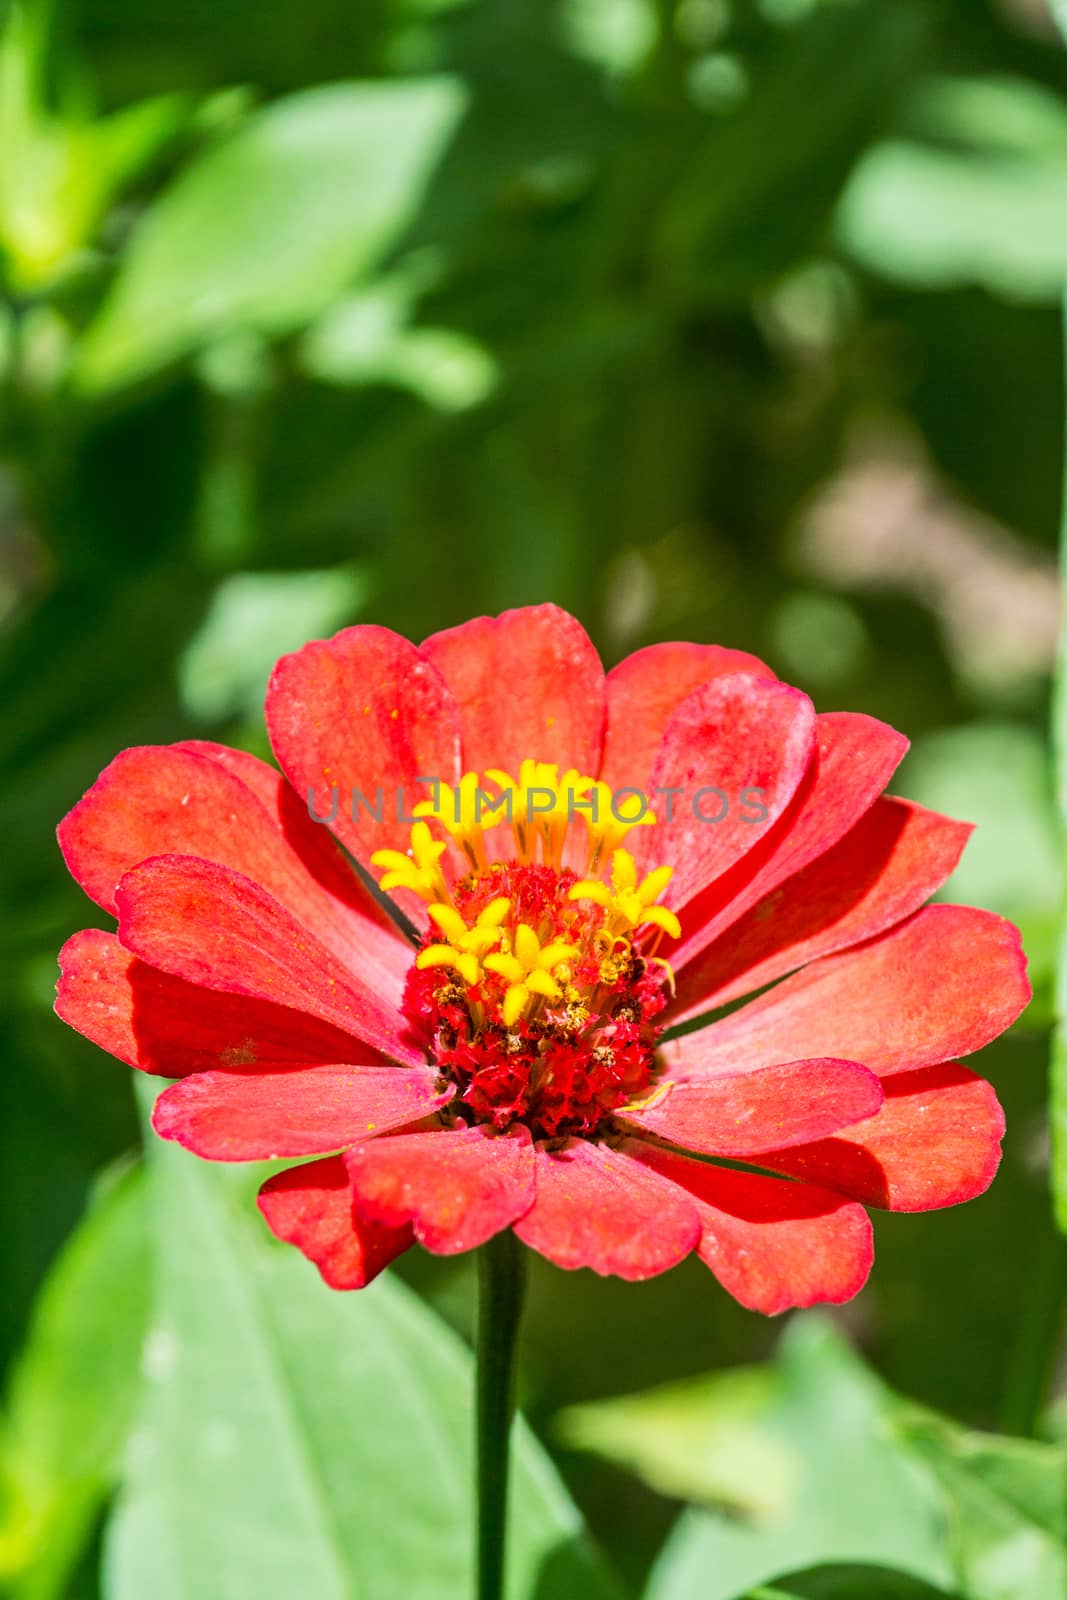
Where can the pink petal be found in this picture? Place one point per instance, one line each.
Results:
(311, 1207)
(935, 1142)
(645, 690)
(217, 928)
(771, 1245)
(855, 758)
(529, 685)
(596, 1208)
(940, 985)
(457, 1187)
(735, 1116)
(732, 735)
(305, 1111)
(365, 711)
(178, 800)
(884, 868)
(162, 1024)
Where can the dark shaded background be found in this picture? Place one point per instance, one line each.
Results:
(729, 322)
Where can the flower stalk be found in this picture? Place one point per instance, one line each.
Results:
(501, 1282)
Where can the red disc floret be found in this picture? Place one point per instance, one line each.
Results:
(566, 1067)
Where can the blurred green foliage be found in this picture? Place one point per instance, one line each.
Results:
(720, 319)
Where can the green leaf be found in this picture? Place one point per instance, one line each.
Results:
(59, 168)
(268, 226)
(983, 201)
(1009, 1507)
(803, 1454)
(255, 617)
(296, 1440)
(367, 338)
(832, 1468)
(73, 1392)
(848, 1583)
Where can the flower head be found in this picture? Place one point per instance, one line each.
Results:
(598, 869)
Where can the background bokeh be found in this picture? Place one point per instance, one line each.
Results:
(707, 319)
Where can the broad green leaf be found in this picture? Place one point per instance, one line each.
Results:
(73, 1392)
(617, 35)
(255, 617)
(848, 1583)
(296, 1441)
(820, 1476)
(982, 201)
(367, 338)
(1009, 1508)
(703, 1440)
(834, 1470)
(272, 223)
(59, 168)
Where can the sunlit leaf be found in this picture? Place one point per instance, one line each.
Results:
(296, 1440)
(72, 1393)
(983, 201)
(819, 1475)
(848, 1583)
(59, 167)
(834, 1470)
(1009, 1507)
(367, 338)
(271, 223)
(254, 618)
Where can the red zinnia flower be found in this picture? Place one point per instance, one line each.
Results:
(510, 1072)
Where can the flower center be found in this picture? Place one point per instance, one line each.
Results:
(538, 980)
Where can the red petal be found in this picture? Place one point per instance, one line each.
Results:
(529, 685)
(162, 1024)
(798, 1100)
(942, 984)
(854, 760)
(176, 800)
(213, 927)
(311, 1207)
(734, 734)
(935, 1142)
(771, 1245)
(365, 711)
(458, 1188)
(884, 868)
(643, 693)
(312, 841)
(595, 1208)
(259, 1116)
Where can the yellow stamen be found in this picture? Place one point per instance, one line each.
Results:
(443, 955)
(460, 811)
(609, 819)
(529, 968)
(420, 871)
(631, 905)
(465, 945)
(539, 805)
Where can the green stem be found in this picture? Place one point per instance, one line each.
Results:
(501, 1279)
